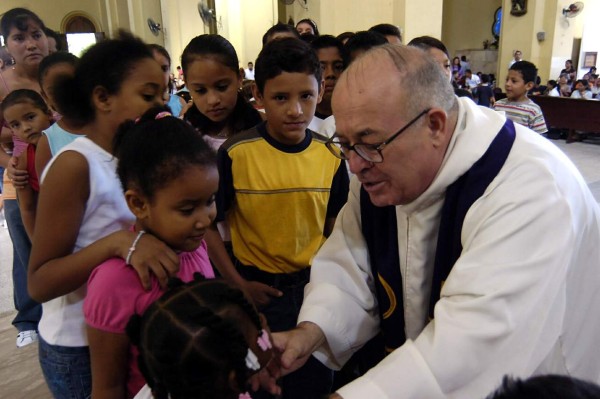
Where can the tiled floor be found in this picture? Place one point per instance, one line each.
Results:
(20, 375)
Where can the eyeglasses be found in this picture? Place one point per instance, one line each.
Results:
(368, 152)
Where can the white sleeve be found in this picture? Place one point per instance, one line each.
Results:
(340, 297)
(502, 306)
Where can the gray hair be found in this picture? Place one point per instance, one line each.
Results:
(424, 83)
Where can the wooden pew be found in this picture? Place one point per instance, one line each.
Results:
(570, 113)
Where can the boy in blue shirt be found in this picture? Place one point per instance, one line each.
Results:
(280, 190)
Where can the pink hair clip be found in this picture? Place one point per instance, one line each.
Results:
(263, 341)
(163, 114)
(245, 395)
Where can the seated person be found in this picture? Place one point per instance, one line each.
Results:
(552, 89)
(581, 90)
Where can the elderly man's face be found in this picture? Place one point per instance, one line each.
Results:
(368, 108)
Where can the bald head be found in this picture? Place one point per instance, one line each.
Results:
(401, 72)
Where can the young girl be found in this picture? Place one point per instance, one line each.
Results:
(176, 103)
(27, 115)
(82, 216)
(53, 69)
(203, 339)
(25, 40)
(170, 178)
(210, 64)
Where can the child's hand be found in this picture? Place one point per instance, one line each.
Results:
(18, 177)
(151, 254)
(261, 293)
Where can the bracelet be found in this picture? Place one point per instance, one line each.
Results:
(132, 248)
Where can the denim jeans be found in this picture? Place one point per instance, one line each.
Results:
(314, 379)
(67, 370)
(28, 310)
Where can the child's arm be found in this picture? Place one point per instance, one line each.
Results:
(54, 270)
(492, 101)
(260, 293)
(42, 155)
(27, 200)
(109, 359)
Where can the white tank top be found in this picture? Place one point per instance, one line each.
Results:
(106, 211)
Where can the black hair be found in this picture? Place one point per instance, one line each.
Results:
(243, 116)
(527, 69)
(5, 57)
(210, 46)
(50, 33)
(107, 64)
(546, 387)
(156, 149)
(19, 18)
(312, 23)
(21, 96)
(285, 55)
(161, 50)
(60, 57)
(485, 78)
(552, 83)
(278, 28)
(190, 340)
(387, 30)
(363, 41)
(427, 42)
(326, 41)
(345, 35)
(308, 37)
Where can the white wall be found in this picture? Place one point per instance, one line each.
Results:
(590, 34)
(242, 22)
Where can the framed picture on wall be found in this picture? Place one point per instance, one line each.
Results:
(589, 59)
(518, 7)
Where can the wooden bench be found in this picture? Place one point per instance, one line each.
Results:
(575, 115)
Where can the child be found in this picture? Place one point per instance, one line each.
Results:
(517, 106)
(54, 68)
(203, 339)
(170, 187)
(210, 64)
(27, 115)
(82, 216)
(330, 52)
(485, 94)
(280, 191)
(176, 103)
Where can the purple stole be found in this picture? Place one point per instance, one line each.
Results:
(379, 227)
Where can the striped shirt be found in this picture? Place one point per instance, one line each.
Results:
(525, 113)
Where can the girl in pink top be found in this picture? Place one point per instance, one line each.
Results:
(169, 177)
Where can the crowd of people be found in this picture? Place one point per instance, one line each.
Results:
(347, 224)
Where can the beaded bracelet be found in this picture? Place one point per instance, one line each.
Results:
(132, 248)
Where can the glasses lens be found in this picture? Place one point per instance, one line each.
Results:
(336, 149)
(368, 153)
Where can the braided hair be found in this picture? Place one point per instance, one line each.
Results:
(190, 340)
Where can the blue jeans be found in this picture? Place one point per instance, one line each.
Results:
(67, 370)
(314, 379)
(28, 310)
